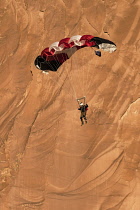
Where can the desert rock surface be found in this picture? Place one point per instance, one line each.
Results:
(48, 161)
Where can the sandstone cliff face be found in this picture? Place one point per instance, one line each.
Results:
(47, 160)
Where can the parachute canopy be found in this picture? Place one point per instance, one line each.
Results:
(53, 57)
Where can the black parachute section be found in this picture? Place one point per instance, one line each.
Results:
(99, 41)
(42, 64)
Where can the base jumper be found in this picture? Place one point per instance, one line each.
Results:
(83, 108)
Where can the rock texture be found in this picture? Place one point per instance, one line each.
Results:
(48, 161)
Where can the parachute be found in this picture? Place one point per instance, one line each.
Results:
(53, 57)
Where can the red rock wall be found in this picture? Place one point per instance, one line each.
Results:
(48, 161)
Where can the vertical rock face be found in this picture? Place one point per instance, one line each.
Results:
(47, 159)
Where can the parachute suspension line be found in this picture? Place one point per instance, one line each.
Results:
(72, 85)
(89, 81)
(82, 74)
(69, 78)
(60, 86)
(81, 79)
(84, 87)
(86, 79)
(79, 73)
(81, 83)
(66, 76)
(75, 96)
(57, 66)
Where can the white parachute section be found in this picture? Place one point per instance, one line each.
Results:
(107, 47)
(76, 40)
(56, 47)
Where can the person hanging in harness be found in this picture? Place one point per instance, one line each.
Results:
(83, 108)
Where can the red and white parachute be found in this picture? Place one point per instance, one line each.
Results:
(53, 57)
